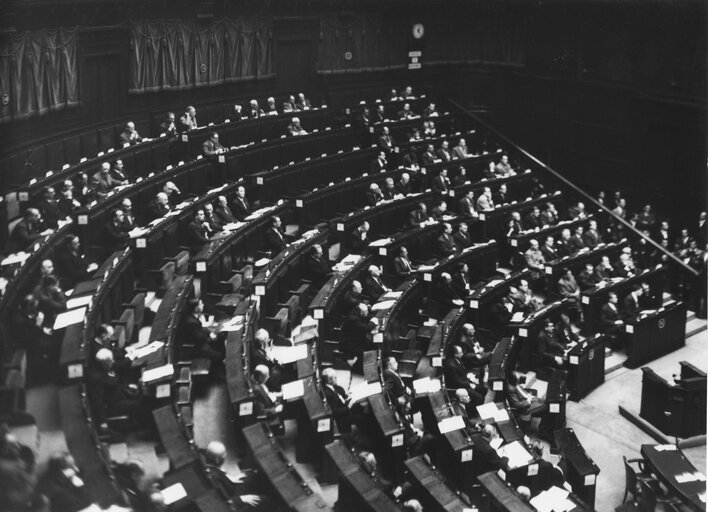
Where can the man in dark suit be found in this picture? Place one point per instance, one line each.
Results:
(630, 304)
(415, 440)
(379, 116)
(202, 342)
(389, 190)
(457, 376)
(359, 239)
(373, 286)
(445, 294)
(352, 297)
(212, 146)
(129, 223)
(586, 278)
(576, 241)
(592, 237)
(402, 266)
(71, 265)
(403, 186)
(25, 232)
(603, 270)
(418, 216)
(379, 164)
(337, 400)
(63, 486)
(501, 197)
(211, 219)
(168, 126)
(198, 231)
(295, 128)
(440, 211)
(385, 141)
(563, 245)
(49, 208)
(486, 458)
(223, 212)
(429, 155)
(242, 491)
(356, 335)
(465, 206)
(188, 120)
(409, 160)
(549, 216)
(610, 320)
(548, 347)
(461, 280)
(254, 110)
(461, 238)
(158, 207)
(374, 195)
(445, 245)
(115, 237)
(441, 183)
(393, 383)
(102, 182)
(317, 268)
(259, 354)
(444, 152)
(130, 134)
(533, 219)
(274, 237)
(240, 206)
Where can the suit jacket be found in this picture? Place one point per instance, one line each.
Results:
(465, 207)
(128, 222)
(630, 307)
(567, 287)
(357, 245)
(455, 374)
(608, 316)
(210, 148)
(461, 240)
(445, 245)
(460, 284)
(444, 155)
(254, 112)
(393, 385)
(549, 253)
(532, 222)
(156, 211)
(263, 405)
(428, 158)
(534, 259)
(564, 248)
(316, 269)
(403, 189)
(486, 458)
(241, 208)
(500, 198)
(484, 203)
(349, 300)
(196, 235)
(576, 243)
(548, 218)
(377, 165)
(586, 280)
(71, 268)
(50, 212)
(191, 332)
(63, 494)
(274, 240)
(355, 332)
(388, 193)
(114, 236)
(548, 344)
(102, 185)
(602, 273)
(459, 152)
(373, 288)
(409, 160)
(445, 294)
(401, 267)
(337, 400)
(386, 143)
(440, 184)
(23, 235)
(591, 238)
(224, 214)
(373, 197)
(416, 217)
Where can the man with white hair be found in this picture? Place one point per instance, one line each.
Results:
(302, 102)
(232, 486)
(266, 401)
(158, 207)
(102, 182)
(356, 335)
(188, 120)
(460, 151)
(294, 127)
(271, 109)
(373, 285)
(130, 134)
(337, 399)
(289, 106)
(485, 457)
(359, 239)
(254, 110)
(374, 195)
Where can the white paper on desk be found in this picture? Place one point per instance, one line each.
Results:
(233, 324)
(75, 302)
(137, 232)
(261, 262)
(392, 295)
(425, 385)
(487, 411)
(494, 282)
(501, 415)
(383, 305)
(173, 493)
(304, 332)
(426, 268)
(285, 355)
(380, 242)
(158, 373)
(233, 226)
(496, 442)
(517, 454)
(552, 501)
(517, 317)
(665, 448)
(71, 317)
(451, 424)
(138, 352)
(19, 257)
(292, 390)
(363, 391)
(155, 305)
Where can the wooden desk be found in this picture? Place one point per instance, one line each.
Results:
(667, 462)
(483, 295)
(436, 494)
(502, 497)
(582, 471)
(586, 366)
(653, 335)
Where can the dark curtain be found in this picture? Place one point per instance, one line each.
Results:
(169, 55)
(38, 72)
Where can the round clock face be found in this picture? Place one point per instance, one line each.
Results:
(418, 30)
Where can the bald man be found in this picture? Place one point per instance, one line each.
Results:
(130, 134)
(232, 486)
(25, 232)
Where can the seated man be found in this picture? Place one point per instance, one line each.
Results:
(266, 403)
(415, 440)
(592, 237)
(461, 238)
(236, 114)
(198, 341)
(356, 335)
(474, 356)
(549, 216)
(610, 320)
(379, 163)
(465, 206)
(274, 237)
(110, 395)
(444, 151)
(337, 399)
(223, 212)
(484, 201)
(403, 185)
(212, 146)
(630, 304)
(576, 241)
(535, 261)
(260, 354)
(393, 383)
(302, 102)
(48, 207)
(445, 294)
(168, 127)
(485, 457)
(102, 182)
(564, 331)
(460, 151)
(502, 196)
(564, 246)
(26, 232)
(352, 297)
(461, 280)
(130, 134)
(211, 219)
(241, 207)
(198, 232)
(504, 167)
(271, 109)
(317, 269)
(389, 190)
(551, 350)
(533, 219)
(374, 195)
(242, 489)
(430, 111)
(527, 405)
(586, 279)
(457, 376)
(294, 128)
(445, 245)
(568, 289)
(158, 207)
(418, 216)
(114, 235)
(72, 267)
(402, 266)
(440, 211)
(549, 251)
(188, 120)
(441, 183)
(374, 287)
(359, 239)
(386, 142)
(604, 270)
(254, 110)
(289, 106)
(63, 486)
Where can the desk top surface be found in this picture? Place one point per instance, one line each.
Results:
(674, 469)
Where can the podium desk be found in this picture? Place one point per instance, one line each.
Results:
(179, 450)
(675, 408)
(359, 491)
(667, 462)
(443, 334)
(582, 470)
(389, 435)
(436, 494)
(655, 334)
(593, 299)
(586, 366)
(500, 365)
